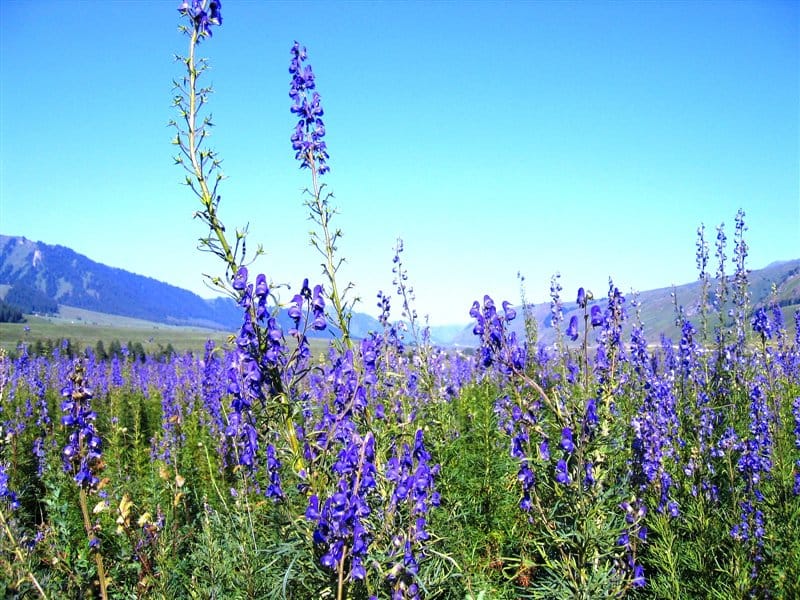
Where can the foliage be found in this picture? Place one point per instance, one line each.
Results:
(30, 300)
(181, 513)
(380, 470)
(10, 313)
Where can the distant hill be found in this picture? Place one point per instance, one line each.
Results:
(657, 306)
(71, 279)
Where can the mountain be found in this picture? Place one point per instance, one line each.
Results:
(42, 272)
(71, 279)
(657, 307)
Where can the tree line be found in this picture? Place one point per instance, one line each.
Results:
(10, 313)
(131, 351)
(29, 300)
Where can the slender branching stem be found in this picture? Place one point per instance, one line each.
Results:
(322, 212)
(206, 195)
(98, 558)
(18, 552)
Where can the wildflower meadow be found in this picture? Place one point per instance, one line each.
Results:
(612, 463)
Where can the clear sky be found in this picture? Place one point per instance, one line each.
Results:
(588, 138)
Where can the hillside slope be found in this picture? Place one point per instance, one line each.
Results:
(72, 279)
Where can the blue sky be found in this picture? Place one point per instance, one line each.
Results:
(586, 138)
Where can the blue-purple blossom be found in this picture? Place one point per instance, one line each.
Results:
(596, 314)
(413, 496)
(797, 327)
(489, 324)
(638, 576)
(315, 311)
(213, 388)
(566, 440)
(81, 454)
(240, 279)
(755, 464)
(340, 521)
(528, 480)
(581, 300)
(701, 255)
(796, 415)
(274, 490)
(588, 479)
(556, 314)
(762, 324)
(202, 16)
(255, 368)
(509, 312)
(562, 473)
(170, 438)
(572, 328)
(721, 293)
(307, 139)
(5, 492)
(544, 451)
(740, 275)
(591, 419)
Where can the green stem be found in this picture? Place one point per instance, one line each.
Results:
(207, 198)
(19, 553)
(340, 593)
(530, 382)
(323, 212)
(586, 348)
(98, 558)
(214, 480)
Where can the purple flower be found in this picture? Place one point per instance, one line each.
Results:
(544, 451)
(5, 492)
(413, 496)
(316, 303)
(510, 313)
(638, 576)
(81, 455)
(581, 301)
(566, 440)
(318, 308)
(310, 149)
(591, 420)
(562, 474)
(202, 20)
(273, 466)
(596, 314)
(528, 480)
(572, 328)
(240, 280)
(214, 12)
(340, 520)
(556, 313)
(762, 324)
(588, 479)
(490, 328)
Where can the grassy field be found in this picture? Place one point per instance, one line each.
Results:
(84, 328)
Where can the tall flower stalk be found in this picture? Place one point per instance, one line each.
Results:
(201, 163)
(82, 456)
(702, 269)
(312, 152)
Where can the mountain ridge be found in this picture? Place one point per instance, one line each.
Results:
(72, 279)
